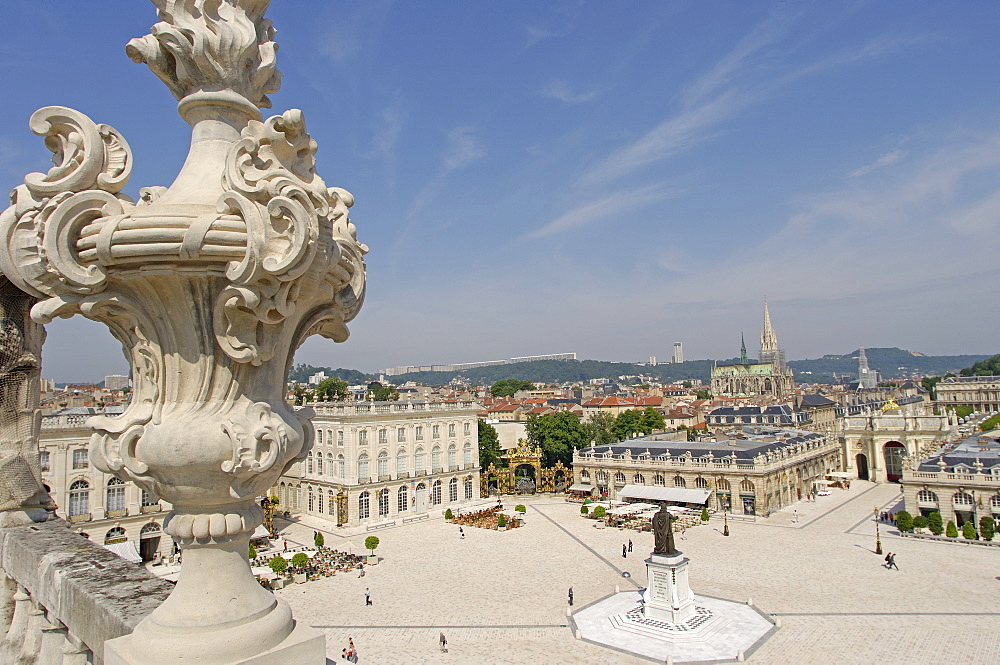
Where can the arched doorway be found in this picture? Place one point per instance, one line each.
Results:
(893, 451)
(149, 541)
(524, 479)
(861, 461)
(420, 498)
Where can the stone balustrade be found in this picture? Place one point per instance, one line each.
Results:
(66, 596)
(65, 422)
(760, 463)
(387, 408)
(971, 479)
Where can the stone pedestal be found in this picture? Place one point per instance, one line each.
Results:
(668, 595)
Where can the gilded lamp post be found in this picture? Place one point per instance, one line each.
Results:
(210, 285)
(878, 538)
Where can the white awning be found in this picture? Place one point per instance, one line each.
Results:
(655, 493)
(840, 474)
(631, 508)
(580, 488)
(125, 550)
(260, 532)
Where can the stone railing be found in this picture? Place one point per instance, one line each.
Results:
(387, 408)
(69, 596)
(718, 463)
(986, 479)
(65, 422)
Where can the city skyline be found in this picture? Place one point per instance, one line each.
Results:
(534, 180)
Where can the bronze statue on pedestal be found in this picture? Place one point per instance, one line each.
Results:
(663, 533)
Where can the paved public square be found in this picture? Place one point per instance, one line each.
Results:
(500, 597)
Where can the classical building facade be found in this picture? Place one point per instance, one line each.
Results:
(960, 481)
(100, 506)
(375, 462)
(982, 393)
(875, 440)
(754, 470)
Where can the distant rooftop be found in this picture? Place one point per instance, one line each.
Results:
(984, 446)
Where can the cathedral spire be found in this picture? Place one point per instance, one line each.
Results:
(768, 340)
(743, 351)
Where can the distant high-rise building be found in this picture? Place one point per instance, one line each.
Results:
(652, 361)
(867, 379)
(116, 382)
(678, 352)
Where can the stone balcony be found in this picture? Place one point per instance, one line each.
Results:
(70, 596)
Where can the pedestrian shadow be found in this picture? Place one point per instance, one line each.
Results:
(868, 550)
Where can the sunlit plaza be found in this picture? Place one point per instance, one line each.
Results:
(501, 596)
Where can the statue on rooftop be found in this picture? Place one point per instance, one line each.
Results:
(663, 533)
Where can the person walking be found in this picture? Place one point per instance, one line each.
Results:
(624, 551)
(361, 567)
(570, 596)
(368, 596)
(887, 556)
(461, 533)
(629, 544)
(892, 561)
(443, 642)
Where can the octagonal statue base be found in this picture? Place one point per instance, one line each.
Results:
(304, 646)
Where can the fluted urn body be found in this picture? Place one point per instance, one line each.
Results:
(210, 285)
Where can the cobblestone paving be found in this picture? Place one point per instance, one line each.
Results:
(501, 597)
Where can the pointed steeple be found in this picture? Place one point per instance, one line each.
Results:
(768, 340)
(743, 351)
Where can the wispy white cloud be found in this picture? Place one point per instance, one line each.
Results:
(561, 90)
(978, 219)
(389, 125)
(887, 159)
(609, 207)
(463, 148)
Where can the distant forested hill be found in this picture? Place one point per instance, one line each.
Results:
(890, 363)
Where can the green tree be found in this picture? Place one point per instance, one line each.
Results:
(448, 515)
(379, 392)
(519, 508)
(371, 542)
(963, 410)
(989, 423)
(703, 394)
(987, 527)
(929, 383)
(919, 522)
(935, 523)
(686, 385)
(332, 389)
(627, 425)
(489, 445)
(600, 512)
(599, 429)
(951, 530)
(318, 540)
(969, 531)
(584, 510)
(252, 552)
(988, 367)
(650, 420)
(704, 515)
(904, 521)
(502, 521)
(300, 560)
(507, 387)
(558, 434)
(278, 564)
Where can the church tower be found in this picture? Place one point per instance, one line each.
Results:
(867, 379)
(769, 351)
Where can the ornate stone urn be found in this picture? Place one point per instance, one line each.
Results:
(210, 285)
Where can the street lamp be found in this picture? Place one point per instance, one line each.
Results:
(725, 523)
(878, 539)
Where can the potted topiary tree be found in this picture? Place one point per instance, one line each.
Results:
(584, 510)
(935, 524)
(278, 565)
(987, 527)
(501, 521)
(371, 542)
(448, 515)
(300, 561)
(919, 523)
(969, 531)
(951, 531)
(251, 552)
(319, 541)
(704, 514)
(600, 512)
(904, 521)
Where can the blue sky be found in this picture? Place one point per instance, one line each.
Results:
(605, 178)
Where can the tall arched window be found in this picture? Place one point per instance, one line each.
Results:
(312, 500)
(401, 498)
(319, 464)
(363, 475)
(436, 457)
(638, 479)
(79, 498)
(383, 464)
(320, 505)
(722, 484)
(585, 476)
(309, 464)
(319, 437)
(116, 495)
(468, 487)
(658, 479)
(995, 502)
(927, 496)
(436, 493)
(363, 506)
(330, 469)
(467, 454)
(452, 456)
(700, 483)
(746, 486)
(963, 499)
(341, 466)
(620, 477)
(383, 502)
(401, 462)
(116, 535)
(453, 490)
(418, 461)
(679, 481)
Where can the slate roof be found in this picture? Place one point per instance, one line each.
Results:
(753, 442)
(984, 446)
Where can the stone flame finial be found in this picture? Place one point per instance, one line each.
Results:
(212, 45)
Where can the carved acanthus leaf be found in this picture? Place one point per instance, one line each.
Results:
(260, 440)
(212, 45)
